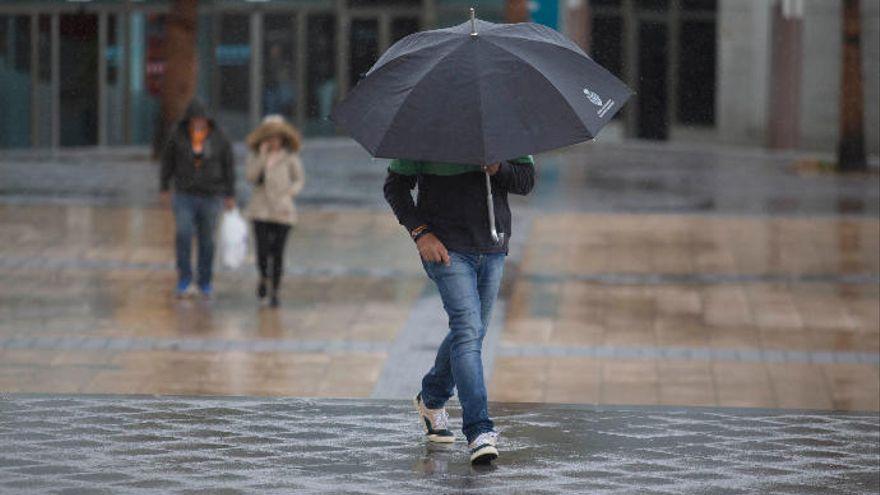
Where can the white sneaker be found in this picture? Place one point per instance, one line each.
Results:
(483, 449)
(435, 422)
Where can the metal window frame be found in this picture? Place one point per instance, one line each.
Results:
(55, 84)
(102, 77)
(425, 12)
(673, 18)
(35, 83)
(384, 18)
(257, 42)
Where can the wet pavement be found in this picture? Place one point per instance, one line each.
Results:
(643, 280)
(640, 177)
(143, 444)
(639, 274)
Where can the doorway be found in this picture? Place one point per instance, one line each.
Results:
(15, 79)
(364, 41)
(652, 63)
(78, 88)
(371, 32)
(666, 51)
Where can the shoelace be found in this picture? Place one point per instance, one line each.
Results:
(487, 437)
(439, 419)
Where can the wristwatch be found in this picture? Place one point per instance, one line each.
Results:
(418, 232)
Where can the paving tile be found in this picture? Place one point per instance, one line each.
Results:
(519, 379)
(577, 333)
(701, 394)
(853, 386)
(603, 308)
(616, 393)
(800, 386)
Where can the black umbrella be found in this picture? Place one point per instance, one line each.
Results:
(479, 93)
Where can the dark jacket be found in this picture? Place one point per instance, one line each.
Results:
(214, 176)
(451, 200)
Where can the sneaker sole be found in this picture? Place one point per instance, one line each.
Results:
(431, 437)
(187, 294)
(484, 455)
(440, 439)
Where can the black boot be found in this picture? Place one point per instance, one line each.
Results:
(261, 289)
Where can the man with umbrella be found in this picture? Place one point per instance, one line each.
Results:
(466, 263)
(460, 110)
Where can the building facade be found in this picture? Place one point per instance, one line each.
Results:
(748, 72)
(751, 72)
(88, 73)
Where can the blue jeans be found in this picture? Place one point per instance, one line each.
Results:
(195, 215)
(468, 288)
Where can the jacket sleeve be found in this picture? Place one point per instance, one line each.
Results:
(297, 175)
(398, 193)
(166, 171)
(254, 168)
(229, 171)
(516, 176)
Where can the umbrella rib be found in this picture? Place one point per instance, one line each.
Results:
(543, 42)
(405, 100)
(378, 68)
(558, 91)
(578, 52)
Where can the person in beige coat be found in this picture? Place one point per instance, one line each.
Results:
(276, 172)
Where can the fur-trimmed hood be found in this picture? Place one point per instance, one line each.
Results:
(274, 125)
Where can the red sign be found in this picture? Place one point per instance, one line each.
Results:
(155, 59)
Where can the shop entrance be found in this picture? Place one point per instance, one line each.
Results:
(78, 91)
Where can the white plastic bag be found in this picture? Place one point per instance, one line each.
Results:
(233, 238)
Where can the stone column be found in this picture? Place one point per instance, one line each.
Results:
(577, 22)
(851, 148)
(516, 11)
(743, 91)
(783, 117)
(181, 67)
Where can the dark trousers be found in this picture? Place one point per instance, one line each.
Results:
(271, 238)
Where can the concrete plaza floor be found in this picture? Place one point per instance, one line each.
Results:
(644, 281)
(640, 274)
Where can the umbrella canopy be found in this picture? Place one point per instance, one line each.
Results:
(480, 93)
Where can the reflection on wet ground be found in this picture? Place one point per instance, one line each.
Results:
(262, 445)
(619, 289)
(654, 178)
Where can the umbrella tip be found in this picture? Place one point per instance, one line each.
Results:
(473, 22)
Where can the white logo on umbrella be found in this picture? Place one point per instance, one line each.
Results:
(594, 98)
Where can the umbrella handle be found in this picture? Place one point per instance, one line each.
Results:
(496, 236)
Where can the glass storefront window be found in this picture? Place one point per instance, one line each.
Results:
(403, 26)
(232, 58)
(607, 45)
(321, 75)
(205, 42)
(700, 5)
(43, 89)
(280, 91)
(93, 75)
(364, 42)
(653, 5)
(696, 74)
(15, 79)
(79, 79)
(145, 72)
(672, 64)
(113, 56)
